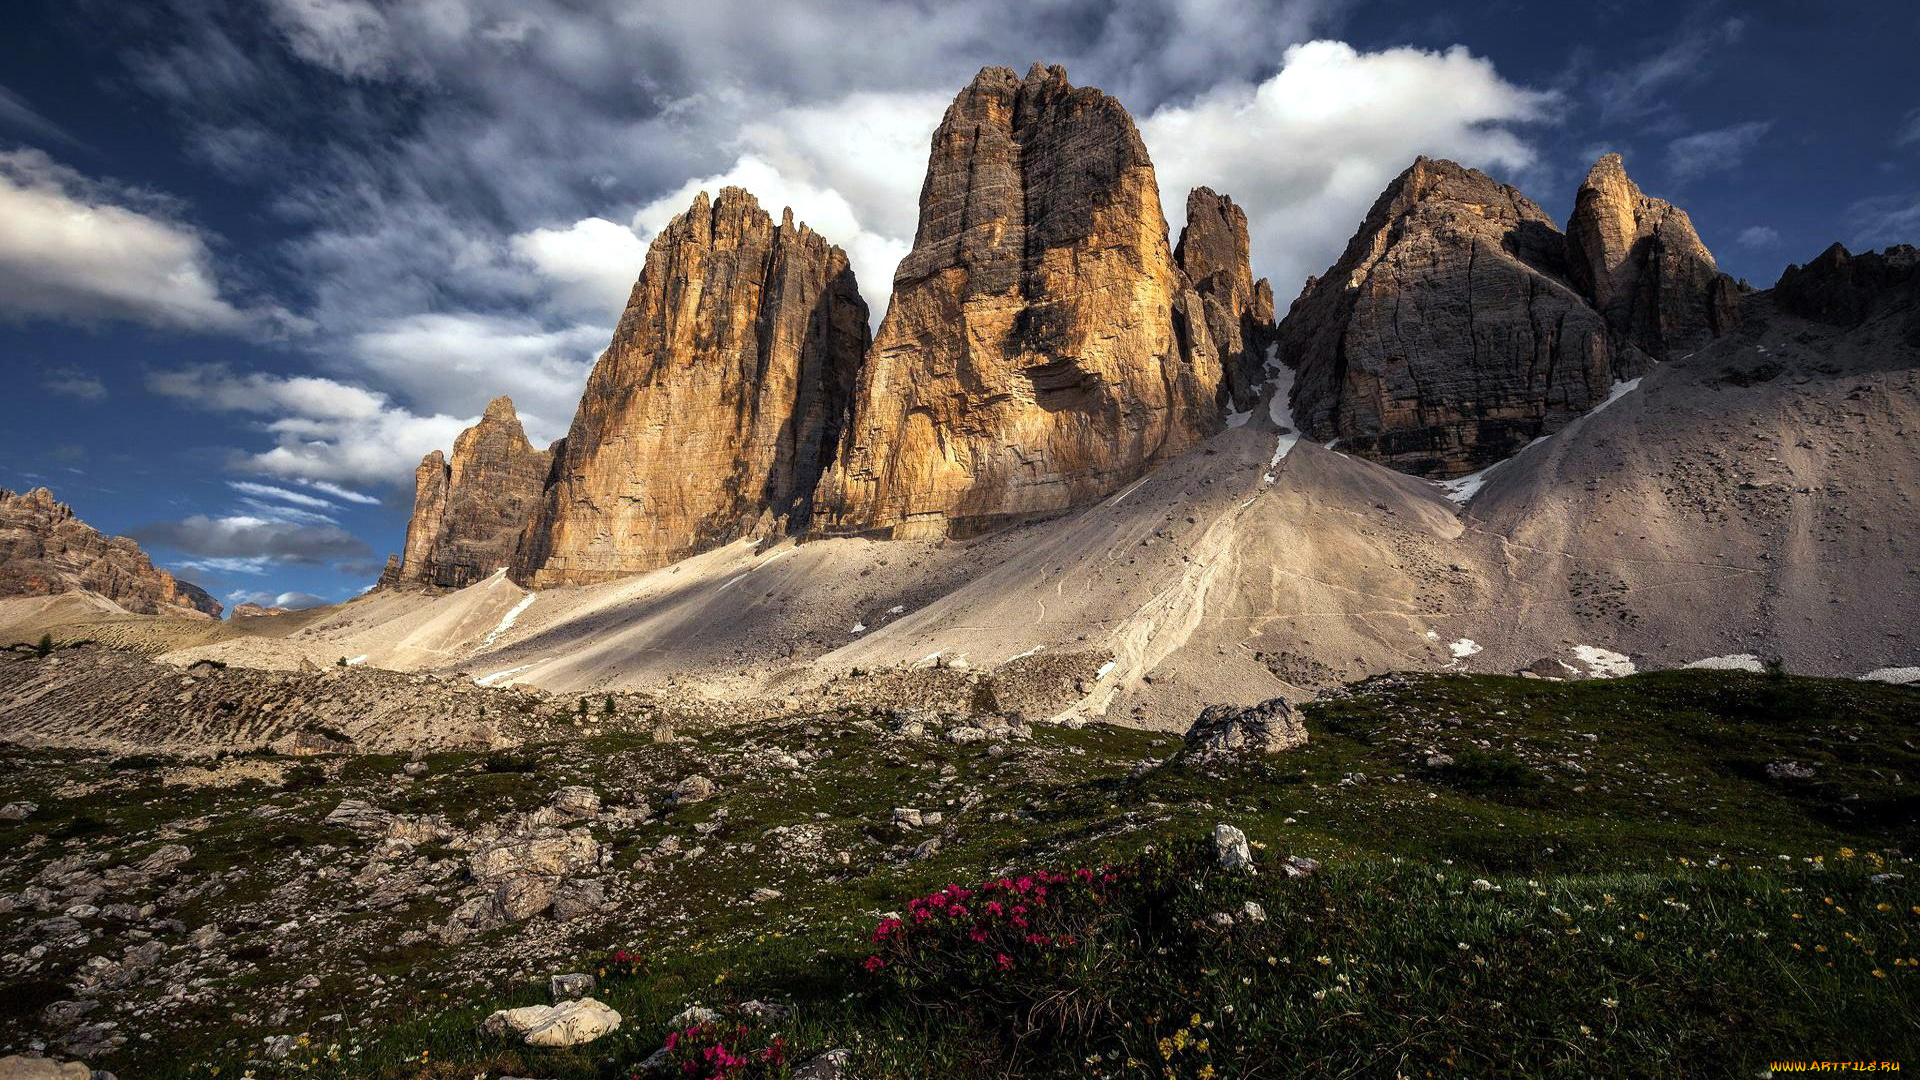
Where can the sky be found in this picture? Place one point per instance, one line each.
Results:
(257, 257)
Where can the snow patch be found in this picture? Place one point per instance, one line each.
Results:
(927, 659)
(1026, 654)
(1900, 676)
(489, 680)
(507, 620)
(357, 661)
(859, 628)
(896, 609)
(1105, 670)
(1280, 411)
(1239, 419)
(1130, 489)
(1736, 662)
(1463, 648)
(1604, 663)
(1619, 390)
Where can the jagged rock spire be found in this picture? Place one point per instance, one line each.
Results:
(1041, 349)
(469, 510)
(717, 405)
(1643, 267)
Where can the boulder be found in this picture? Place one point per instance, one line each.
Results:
(20, 1067)
(1225, 731)
(551, 853)
(569, 1023)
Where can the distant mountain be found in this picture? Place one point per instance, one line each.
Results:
(45, 550)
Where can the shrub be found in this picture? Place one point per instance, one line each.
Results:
(44, 646)
(723, 1051)
(1014, 942)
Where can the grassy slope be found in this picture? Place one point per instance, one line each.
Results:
(1637, 914)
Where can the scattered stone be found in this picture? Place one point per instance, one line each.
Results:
(1252, 912)
(1231, 849)
(693, 789)
(575, 985)
(1220, 920)
(693, 1016)
(1299, 866)
(763, 894)
(579, 802)
(1789, 770)
(831, 1065)
(17, 811)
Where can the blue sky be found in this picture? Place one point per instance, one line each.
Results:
(258, 256)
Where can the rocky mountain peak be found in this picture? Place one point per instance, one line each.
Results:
(1447, 335)
(1216, 255)
(469, 510)
(716, 406)
(1644, 268)
(1041, 348)
(46, 550)
(1842, 289)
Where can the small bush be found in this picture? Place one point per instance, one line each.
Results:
(504, 761)
(44, 646)
(722, 1051)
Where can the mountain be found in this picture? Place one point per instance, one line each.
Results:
(469, 510)
(717, 406)
(45, 550)
(1034, 357)
(1081, 472)
(1216, 255)
(1640, 263)
(1447, 335)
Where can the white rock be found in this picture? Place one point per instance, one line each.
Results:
(1230, 845)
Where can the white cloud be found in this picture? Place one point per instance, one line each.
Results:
(591, 263)
(1909, 132)
(1306, 152)
(457, 362)
(1884, 220)
(1758, 236)
(75, 249)
(1635, 91)
(268, 491)
(292, 601)
(825, 210)
(1722, 149)
(338, 492)
(323, 430)
(74, 383)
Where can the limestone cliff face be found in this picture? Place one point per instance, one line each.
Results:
(1216, 256)
(469, 510)
(46, 550)
(717, 406)
(1447, 336)
(1640, 263)
(1042, 348)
